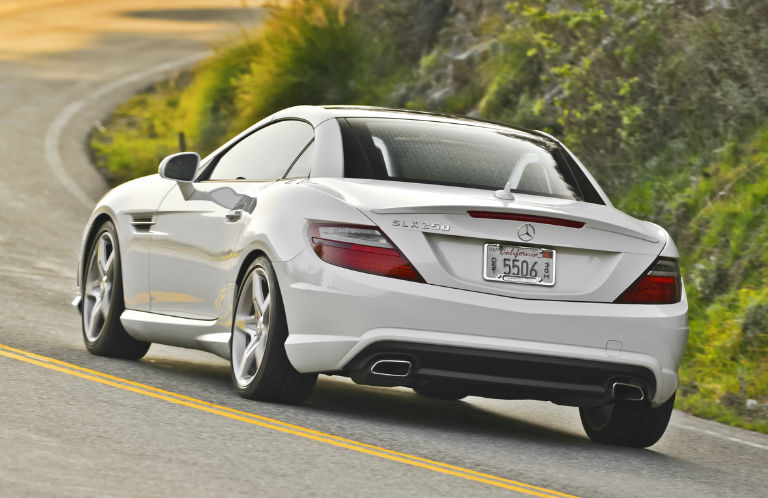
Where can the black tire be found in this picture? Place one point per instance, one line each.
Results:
(103, 333)
(439, 393)
(272, 378)
(627, 423)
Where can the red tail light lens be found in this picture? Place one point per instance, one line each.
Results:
(361, 248)
(662, 284)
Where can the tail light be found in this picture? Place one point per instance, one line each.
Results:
(361, 248)
(661, 284)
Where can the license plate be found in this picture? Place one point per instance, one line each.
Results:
(519, 265)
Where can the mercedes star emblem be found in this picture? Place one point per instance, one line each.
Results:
(526, 232)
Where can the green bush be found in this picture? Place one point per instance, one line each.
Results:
(636, 88)
(139, 133)
(309, 52)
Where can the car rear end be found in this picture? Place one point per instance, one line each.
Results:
(492, 266)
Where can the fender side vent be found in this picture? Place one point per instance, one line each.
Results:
(142, 223)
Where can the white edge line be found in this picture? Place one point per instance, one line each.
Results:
(722, 436)
(53, 134)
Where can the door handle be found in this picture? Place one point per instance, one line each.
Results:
(234, 215)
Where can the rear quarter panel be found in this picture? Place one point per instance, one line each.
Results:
(278, 225)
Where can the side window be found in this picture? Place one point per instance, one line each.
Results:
(265, 154)
(303, 164)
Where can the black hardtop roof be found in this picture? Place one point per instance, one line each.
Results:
(457, 117)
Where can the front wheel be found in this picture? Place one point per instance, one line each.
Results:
(103, 303)
(627, 423)
(259, 365)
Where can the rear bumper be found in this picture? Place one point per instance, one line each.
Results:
(500, 374)
(334, 314)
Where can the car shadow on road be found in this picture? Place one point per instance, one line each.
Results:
(404, 407)
(337, 398)
(402, 411)
(214, 373)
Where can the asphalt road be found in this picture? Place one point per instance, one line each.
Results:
(110, 431)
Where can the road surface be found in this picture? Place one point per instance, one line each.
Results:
(72, 424)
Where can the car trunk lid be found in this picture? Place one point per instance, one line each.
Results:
(443, 231)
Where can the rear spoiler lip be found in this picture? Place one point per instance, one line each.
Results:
(464, 210)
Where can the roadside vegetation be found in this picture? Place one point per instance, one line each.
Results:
(666, 103)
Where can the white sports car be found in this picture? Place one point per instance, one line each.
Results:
(450, 255)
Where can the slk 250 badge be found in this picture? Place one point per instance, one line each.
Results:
(422, 225)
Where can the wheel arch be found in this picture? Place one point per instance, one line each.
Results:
(247, 260)
(100, 219)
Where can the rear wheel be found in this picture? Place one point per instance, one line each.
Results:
(103, 303)
(259, 365)
(627, 423)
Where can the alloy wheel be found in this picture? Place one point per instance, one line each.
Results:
(99, 283)
(251, 330)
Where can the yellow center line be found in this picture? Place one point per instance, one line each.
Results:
(274, 421)
(277, 425)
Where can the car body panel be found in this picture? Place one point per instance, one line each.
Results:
(197, 227)
(207, 335)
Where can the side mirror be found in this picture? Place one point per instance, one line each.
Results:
(180, 167)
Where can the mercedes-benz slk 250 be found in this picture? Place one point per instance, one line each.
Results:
(450, 255)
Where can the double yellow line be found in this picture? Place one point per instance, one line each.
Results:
(277, 425)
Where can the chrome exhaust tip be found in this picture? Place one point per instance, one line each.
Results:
(628, 392)
(391, 368)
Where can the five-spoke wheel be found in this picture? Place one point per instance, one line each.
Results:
(259, 365)
(102, 298)
(98, 284)
(251, 329)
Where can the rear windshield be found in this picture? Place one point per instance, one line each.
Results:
(460, 155)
